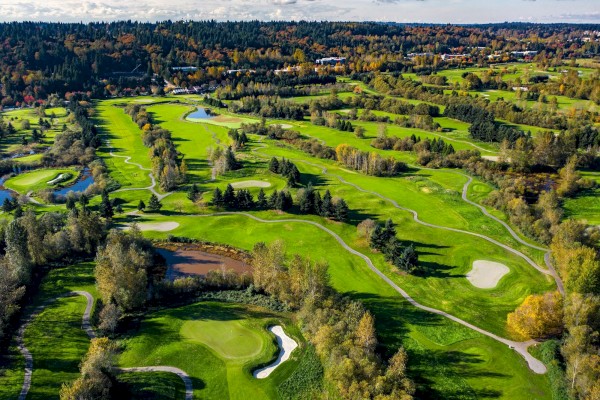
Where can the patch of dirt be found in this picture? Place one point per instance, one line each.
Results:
(226, 119)
(491, 158)
(195, 262)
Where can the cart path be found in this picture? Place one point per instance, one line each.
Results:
(127, 160)
(520, 347)
(87, 327)
(85, 324)
(189, 388)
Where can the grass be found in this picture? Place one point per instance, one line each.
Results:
(13, 143)
(38, 180)
(150, 386)
(465, 363)
(586, 204)
(54, 337)
(229, 339)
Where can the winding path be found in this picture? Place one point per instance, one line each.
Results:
(127, 160)
(189, 388)
(87, 327)
(520, 347)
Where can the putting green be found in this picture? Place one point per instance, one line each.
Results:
(230, 339)
(38, 179)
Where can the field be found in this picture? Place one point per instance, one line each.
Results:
(435, 195)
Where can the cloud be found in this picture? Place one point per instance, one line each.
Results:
(441, 11)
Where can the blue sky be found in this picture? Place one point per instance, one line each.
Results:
(438, 11)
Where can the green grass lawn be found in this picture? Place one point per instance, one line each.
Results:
(38, 180)
(54, 337)
(150, 386)
(217, 344)
(482, 364)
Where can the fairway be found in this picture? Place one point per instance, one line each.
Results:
(229, 339)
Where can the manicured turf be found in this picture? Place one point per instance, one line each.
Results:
(217, 344)
(433, 342)
(54, 337)
(150, 386)
(38, 180)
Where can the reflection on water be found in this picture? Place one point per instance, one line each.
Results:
(201, 113)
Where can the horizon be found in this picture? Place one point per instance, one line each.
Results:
(456, 12)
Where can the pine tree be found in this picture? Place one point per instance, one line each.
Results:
(230, 161)
(106, 208)
(193, 192)
(274, 165)
(154, 204)
(217, 199)
(341, 210)
(389, 230)
(273, 200)
(229, 197)
(378, 239)
(326, 205)
(7, 205)
(262, 202)
(141, 205)
(305, 199)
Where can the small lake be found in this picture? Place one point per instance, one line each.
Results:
(201, 113)
(84, 181)
(5, 193)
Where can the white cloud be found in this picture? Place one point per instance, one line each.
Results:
(441, 11)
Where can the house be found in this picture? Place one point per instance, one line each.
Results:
(331, 60)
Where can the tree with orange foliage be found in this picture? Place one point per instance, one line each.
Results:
(538, 316)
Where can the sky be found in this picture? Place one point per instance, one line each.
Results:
(434, 11)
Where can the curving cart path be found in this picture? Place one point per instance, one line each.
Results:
(127, 160)
(520, 347)
(87, 327)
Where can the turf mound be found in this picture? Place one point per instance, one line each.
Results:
(486, 274)
(250, 184)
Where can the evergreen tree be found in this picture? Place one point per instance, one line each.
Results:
(106, 208)
(341, 210)
(18, 211)
(154, 204)
(262, 202)
(273, 199)
(7, 205)
(229, 197)
(389, 230)
(193, 192)
(70, 202)
(274, 165)
(326, 209)
(378, 238)
(230, 161)
(141, 205)
(217, 199)
(305, 199)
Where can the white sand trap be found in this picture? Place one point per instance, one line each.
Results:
(286, 345)
(486, 274)
(491, 158)
(155, 226)
(250, 184)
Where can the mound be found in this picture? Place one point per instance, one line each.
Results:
(250, 184)
(486, 274)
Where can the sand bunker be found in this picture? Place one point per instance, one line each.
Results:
(486, 274)
(155, 226)
(286, 126)
(250, 184)
(491, 158)
(195, 262)
(286, 345)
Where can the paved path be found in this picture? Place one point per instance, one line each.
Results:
(127, 160)
(87, 327)
(189, 389)
(520, 347)
(85, 324)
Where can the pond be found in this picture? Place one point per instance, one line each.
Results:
(85, 180)
(5, 193)
(201, 113)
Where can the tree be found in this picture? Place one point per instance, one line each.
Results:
(17, 252)
(106, 208)
(261, 201)
(229, 197)
(109, 318)
(539, 316)
(154, 204)
(141, 205)
(378, 238)
(365, 333)
(274, 165)
(326, 205)
(341, 210)
(569, 178)
(217, 199)
(193, 193)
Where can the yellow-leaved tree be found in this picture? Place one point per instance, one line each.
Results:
(538, 316)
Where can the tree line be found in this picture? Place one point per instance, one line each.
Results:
(368, 163)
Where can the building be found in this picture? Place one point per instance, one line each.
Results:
(331, 60)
